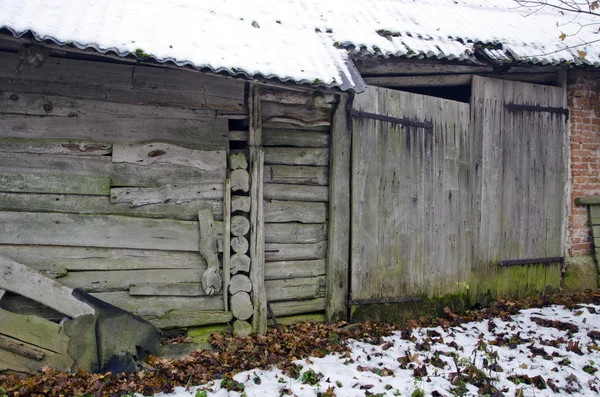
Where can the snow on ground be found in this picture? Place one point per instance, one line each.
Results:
(540, 352)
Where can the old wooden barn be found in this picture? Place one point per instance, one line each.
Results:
(306, 161)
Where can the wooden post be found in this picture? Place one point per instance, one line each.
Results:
(226, 241)
(338, 255)
(257, 239)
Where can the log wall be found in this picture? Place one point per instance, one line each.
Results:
(104, 169)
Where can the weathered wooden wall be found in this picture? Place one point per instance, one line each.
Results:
(104, 168)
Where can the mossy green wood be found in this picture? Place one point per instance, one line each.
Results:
(59, 184)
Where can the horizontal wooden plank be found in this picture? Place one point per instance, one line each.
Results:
(296, 138)
(282, 125)
(123, 83)
(121, 174)
(306, 98)
(295, 114)
(300, 175)
(294, 269)
(454, 79)
(295, 233)
(283, 191)
(294, 252)
(295, 289)
(62, 184)
(108, 231)
(165, 153)
(296, 156)
(191, 318)
(188, 133)
(153, 307)
(169, 193)
(34, 331)
(122, 280)
(288, 308)
(300, 318)
(43, 258)
(294, 211)
(101, 205)
(55, 105)
(72, 147)
(168, 289)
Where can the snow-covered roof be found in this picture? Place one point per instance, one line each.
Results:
(306, 41)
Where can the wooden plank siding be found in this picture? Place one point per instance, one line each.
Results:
(104, 168)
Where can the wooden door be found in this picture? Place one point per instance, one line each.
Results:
(411, 196)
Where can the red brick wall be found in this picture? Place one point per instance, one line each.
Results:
(584, 170)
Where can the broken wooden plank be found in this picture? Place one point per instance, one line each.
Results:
(293, 252)
(35, 331)
(60, 184)
(301, 175)
(295, 211)
(277, 191)
(103, 231)
(95, 205)
(211, 279)
(296, 156)
(25, 281)
(169, 193)
(295, 233)
(294, 269)
(70, 147)
(146, 154)
(20, 348)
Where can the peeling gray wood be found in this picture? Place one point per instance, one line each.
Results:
(295, 269)
(240, 181)
(240, 203)
(20, 279)
(63, 106)
(109, 231)
(211, 279)
(240, 282)
(295, 211)
(121, 174)
(297, 138)
(61, 184)
(122, 280)
(169, 289)
(240, 263)
(240, 244)
(169, 193)
(294, 233)
(72, 147)
(240, 225)
(238, 161)
(338, 255)
(293, 252)
(133, 84)
(295, 289)
(166, 153)
(152, 307)
(77, 259)
(241, 306)
(296, 156)
(275, 191)
(301, 175)
(298, 307)
(94, 205)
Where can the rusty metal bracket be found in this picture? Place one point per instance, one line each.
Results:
(390, 119)
(534, 108)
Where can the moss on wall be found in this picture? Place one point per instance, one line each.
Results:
(580, 274)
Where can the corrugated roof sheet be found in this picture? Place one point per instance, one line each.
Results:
(304, 41)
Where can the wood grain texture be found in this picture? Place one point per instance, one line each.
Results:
(169, 193)
(241, 306)
(101, 205)
(61, 184)
(166, 153)
(298, 138)
(240, 282)
(295, 233)
(291, 192)
(109, 231)
(295, 211)
(132, 84)
(226, 241)
(211, 279)
(167, 289)
(338, 254)
(288, 308)
(240, 181)
(240, 225)
(295, 289)
(296, 156)
(294, 252)
(240, 203)
(71, 147)
(301, 115)
(238, 161)
(178, 318)
(301, 175)
(240, 244)
(240, 263)
(294, 269)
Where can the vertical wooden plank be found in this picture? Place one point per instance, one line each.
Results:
(226, 241)
(338, 254)
(257, 239)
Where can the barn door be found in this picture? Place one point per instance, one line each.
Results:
(411, 188)
(520, 171)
